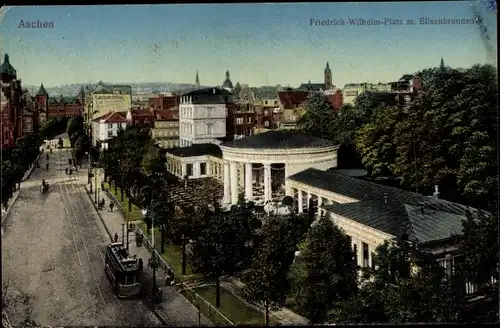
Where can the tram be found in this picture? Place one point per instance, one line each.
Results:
(123, 271)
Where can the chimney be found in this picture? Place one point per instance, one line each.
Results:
(436, 191)
(385, 197)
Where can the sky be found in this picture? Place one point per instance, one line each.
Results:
(260, 44)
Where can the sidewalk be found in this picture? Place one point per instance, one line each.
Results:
(175, 309)
(284, 315)
(27, 174)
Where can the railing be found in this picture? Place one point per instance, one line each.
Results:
(205, 307)
(201, 304)
(149, 247)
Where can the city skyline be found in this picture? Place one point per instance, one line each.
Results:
(260, 44)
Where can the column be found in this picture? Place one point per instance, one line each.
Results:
(227, 185)
(300, 201)
(241, 175)
(360, 252)
(309, 196)
(267, 182)
(234, 183)
(248, 182)
(320, 202)
(184, 170)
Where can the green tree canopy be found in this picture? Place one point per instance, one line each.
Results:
(406, 286)
(324, 272)
(318, 118)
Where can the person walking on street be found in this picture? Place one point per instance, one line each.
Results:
(111, 205)
(116, 237)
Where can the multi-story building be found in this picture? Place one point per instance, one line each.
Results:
(15, 119)
(143, 118)
(62, 106)
(325, 86)
(166, 128)
(353, 90)
(164, 101)
(202, 116)
(242, 119)
(106, 127)
(103, 98)
(291, 103)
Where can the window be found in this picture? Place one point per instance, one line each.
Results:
(239, 120)
(203, 168)
(110, 125)
(210, 128)
(110, 134)
(210, 112)
(266, 124)
(265, 102)
(189, 170)
(366, 256)
(275, 102)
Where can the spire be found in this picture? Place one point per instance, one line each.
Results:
(197, 79)
(41, 91)
(227, 75)
(327, 68)
(6, 67)
(442, 63)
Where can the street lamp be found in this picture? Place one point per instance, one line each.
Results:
(153, 261)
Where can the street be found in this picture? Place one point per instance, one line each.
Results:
(52, 254)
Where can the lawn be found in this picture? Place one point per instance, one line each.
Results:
(173, 257)
(230, 306)
(133, 215)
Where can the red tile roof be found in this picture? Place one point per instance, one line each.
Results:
(112, 117)
(143, 113)
(167, 114)
(292, 99)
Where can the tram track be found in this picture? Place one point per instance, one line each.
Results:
(86, 259)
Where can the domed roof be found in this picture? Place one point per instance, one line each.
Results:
(280, 139)
(6, 67)
(227, 82)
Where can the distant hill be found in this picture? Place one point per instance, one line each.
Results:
(137, 88)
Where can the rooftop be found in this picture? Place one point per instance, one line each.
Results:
(402, 213)
(292, 99)
(197, 150)
(112, 117)
(279, 139)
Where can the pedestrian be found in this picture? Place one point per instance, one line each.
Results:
(111, 205)
(116, 237)
(140, 265)
(103, 202)
(66, 170)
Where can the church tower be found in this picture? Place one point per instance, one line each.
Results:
(197, 79)
(42, 104)
(441, 66)
(328, 77)
(227, 84)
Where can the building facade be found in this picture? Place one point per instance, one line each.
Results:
(11, 103)
(103, 98)
(143, 118)
(291, 103)
(202, 116)
(106, 127)
(164, 102)
(166, 128)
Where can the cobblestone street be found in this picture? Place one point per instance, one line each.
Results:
(52, 255)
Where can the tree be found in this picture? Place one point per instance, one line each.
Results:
(220, 246)
(324, 272)
(75, 124)
(154, 160)
(82, 144)
(161, 213)
(407, 285)
(186, 224)
(318, 117)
